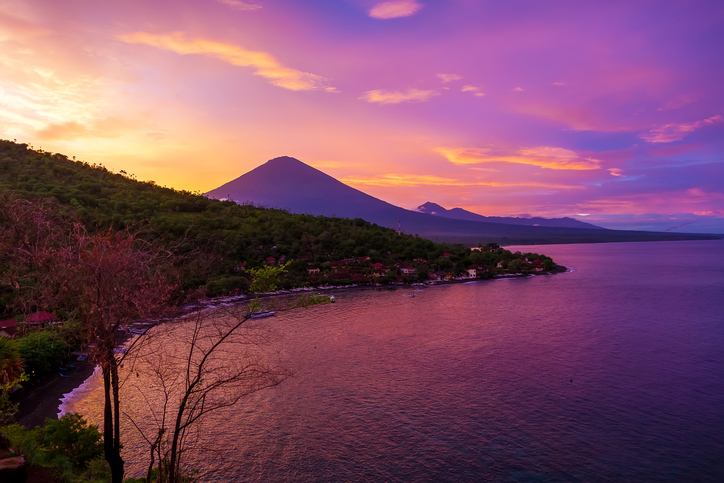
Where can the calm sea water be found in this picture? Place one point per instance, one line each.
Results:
(611, 372)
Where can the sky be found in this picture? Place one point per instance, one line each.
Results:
(610, 112)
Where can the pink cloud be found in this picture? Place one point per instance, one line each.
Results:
(668, 133)
(395, 9)
(237, 5)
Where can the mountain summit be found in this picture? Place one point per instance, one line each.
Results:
(288, 183)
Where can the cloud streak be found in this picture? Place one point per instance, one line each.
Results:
(541, 156)
(237, 5)
(400, 180)
(445, 78)
(264, 64)
(395, 97)
(668, 133)
(395, 9)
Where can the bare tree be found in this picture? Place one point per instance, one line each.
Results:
(104, 280)
(191, 369)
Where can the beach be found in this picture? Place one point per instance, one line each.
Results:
(41, 401)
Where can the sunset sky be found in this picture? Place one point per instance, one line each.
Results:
(611, 112)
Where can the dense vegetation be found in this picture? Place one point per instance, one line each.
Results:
(233, 238)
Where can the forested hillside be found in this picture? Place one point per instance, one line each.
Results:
(234, 235)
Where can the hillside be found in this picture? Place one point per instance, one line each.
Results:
(288, 183)
(230, 236)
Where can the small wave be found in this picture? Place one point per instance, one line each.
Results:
(76, 393)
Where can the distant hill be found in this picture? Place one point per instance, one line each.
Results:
(461, 214)
(289, 184)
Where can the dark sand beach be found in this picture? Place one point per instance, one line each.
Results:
(37, 402)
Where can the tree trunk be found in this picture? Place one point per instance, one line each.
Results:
(111, 451)
(117, 470)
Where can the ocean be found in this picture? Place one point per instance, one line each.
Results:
(613, 371)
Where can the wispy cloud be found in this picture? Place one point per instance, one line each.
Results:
(475, 90)
(109, 127)
(395, 97)
(406, 180)
(424, 180)
(395, 9)
(678, 103)
(449, 77)
(616, 172)
(265, 64)
(541, 156)
(237, 5)
(668, 133)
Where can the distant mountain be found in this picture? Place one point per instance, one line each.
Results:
(289, 184)
(460, 214)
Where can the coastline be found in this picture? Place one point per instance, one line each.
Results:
(46, 400)
(41, 401)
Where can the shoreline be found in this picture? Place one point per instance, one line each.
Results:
(38, 403)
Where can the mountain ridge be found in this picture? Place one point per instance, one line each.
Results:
(461, 214)
(288, 183)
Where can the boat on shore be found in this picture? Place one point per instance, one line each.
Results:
(259, 314)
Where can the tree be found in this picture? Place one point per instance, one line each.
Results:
(105, 280)
(213, 362)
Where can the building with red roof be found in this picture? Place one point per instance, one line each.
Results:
(40, 319)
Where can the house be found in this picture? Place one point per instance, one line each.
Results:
(408, 271)
(312, 271)
(447, 254)
(40, 319)
(379, 268)
(8, 328)
(442, 275)
(500, 264)
(270, 261)
(472, 272)
(364, 259)
(433, 276)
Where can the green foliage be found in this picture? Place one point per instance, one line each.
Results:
(8, 409)
(308, 300)
(69, 444)
(266, 278)
(43, 351)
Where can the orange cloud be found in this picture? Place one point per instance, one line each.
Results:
(395, 97)
(265, 65)
(668, 133)
(542, 156)
(395, 9)
(103, 128)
